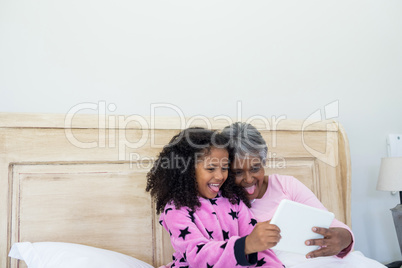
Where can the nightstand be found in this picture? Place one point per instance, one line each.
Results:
(395, 264)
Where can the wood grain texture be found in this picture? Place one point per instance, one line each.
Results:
(84, 181)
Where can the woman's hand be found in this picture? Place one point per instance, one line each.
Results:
(334, 241)
(263, 236)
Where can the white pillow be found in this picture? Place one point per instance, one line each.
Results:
(67, 255)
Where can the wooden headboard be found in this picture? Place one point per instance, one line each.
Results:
(81, 178)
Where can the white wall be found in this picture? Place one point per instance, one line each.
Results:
(277, 57)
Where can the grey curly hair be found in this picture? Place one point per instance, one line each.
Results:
(246, 141)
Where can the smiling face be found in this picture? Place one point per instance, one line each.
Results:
(249, 174)
(211, 172)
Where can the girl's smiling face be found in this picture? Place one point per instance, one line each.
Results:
(249, 174)
(211, 172)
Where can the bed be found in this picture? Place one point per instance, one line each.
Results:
(80, 179)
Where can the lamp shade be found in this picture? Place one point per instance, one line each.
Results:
(390, 177)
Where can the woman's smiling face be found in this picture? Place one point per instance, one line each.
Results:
(249, 174)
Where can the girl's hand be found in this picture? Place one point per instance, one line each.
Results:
(263, 236)
(334, 241)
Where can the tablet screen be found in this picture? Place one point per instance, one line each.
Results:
(296, 222)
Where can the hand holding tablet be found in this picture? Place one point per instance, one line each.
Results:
(296, 222)
(263, 236)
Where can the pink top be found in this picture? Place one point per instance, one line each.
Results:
(213, 235)
(287, 187)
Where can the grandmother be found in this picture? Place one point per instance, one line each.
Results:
(266, 192)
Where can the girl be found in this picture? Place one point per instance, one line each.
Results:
(205, 213)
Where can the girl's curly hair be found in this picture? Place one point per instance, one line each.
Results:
(172, 178)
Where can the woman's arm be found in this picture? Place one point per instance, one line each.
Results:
(338, 239)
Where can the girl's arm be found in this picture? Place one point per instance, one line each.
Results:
(261, 236)
(193, 241)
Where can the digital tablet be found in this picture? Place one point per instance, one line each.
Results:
(296, 222)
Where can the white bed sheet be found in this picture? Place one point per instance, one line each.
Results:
(355, 259)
